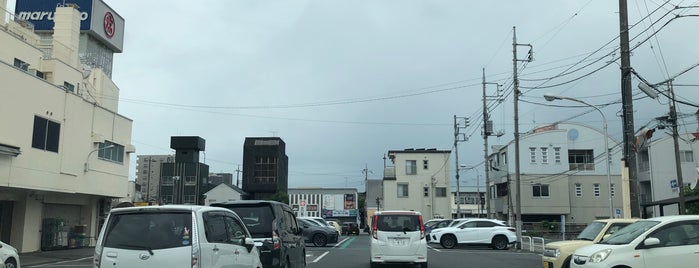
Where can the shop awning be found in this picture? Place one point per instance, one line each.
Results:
(9, 150)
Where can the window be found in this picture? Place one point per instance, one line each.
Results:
(156, 230)
(68, 86)
(168, 180)
(532, 155)
(167, 199)
(578, 189)
(686, 156)
(189, 199)
(595, 189)
(402, 190)
(504, 158)
(426, 191)
(46, 134)
(557, 154)
(425, 164)
(111, 152)
(441, 192)
(581, 160)
(540, 190)
(40, 74)
(612, 189)
(410, 167)
(21, 64)
(265, 170)
(544, 155)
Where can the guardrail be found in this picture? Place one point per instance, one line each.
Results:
(532, 244)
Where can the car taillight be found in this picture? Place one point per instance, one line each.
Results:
(275, 236)
(422, 227)
(375, 227)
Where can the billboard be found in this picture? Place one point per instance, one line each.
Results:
(339, 205)
(96, 18)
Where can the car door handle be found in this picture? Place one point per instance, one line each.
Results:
(215, 249)
(236, 252)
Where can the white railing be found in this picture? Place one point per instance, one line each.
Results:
(532, 244)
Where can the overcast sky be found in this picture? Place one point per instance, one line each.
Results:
(343, 82)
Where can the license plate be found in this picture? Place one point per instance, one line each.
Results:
(400, 241)
(548, 265)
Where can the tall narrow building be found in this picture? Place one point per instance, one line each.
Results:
(265, 167)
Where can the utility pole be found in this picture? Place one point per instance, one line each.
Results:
(627, 110)
(487, 132)
(237, 176)
(457, 139)
(518, 205)
(678, 165)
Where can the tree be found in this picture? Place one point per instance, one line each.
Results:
(281, 197)
(692, 208)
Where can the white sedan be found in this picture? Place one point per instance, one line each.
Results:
(9, 256)
(475, 232)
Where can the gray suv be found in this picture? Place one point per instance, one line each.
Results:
(274, 229)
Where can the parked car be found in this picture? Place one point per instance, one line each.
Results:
(558, 254)
(174, 236)
(349, 228)
(435, 224)
(669, 241)
(398, 237)
(274, 229)
(475, 232)
(336, 225)
(316, 233)
(9, 256)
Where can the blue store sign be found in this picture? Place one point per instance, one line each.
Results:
(41, 13)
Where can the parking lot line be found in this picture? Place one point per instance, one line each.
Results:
(430, 247)
(340, 243)
(320, 257)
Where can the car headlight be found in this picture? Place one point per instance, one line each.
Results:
(553, 253)
(601, 255)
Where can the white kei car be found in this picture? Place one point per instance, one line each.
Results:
(669, 241)
(475, 231)
(398, 237)
(9, 256)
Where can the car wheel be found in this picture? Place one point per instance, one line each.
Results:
(566, 262)
(499, 242)
(448, 241)
(320, 240)
(10, 263)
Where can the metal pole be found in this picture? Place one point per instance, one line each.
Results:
(485, 152)
(456, 154)
(678, 164)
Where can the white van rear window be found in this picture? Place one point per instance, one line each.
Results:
(149, 230)
(398, 223)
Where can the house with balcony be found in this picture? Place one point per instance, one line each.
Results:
(418, 180)
(563, 172)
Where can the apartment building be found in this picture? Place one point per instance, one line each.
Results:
(265, 167)
(419, 180)
(148, 174)
(563, 172)
(64, 147)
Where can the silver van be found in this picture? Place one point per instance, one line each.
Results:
(175, 236)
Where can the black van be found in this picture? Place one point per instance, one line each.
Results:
(274, 229)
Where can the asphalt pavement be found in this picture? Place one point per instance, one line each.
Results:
(41, 258)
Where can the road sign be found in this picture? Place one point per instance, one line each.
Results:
(617, 212)
(673, 184)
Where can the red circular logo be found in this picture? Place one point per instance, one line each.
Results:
(109, 25)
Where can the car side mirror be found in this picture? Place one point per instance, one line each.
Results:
(651, 241)
(249, 244)
(606, 236)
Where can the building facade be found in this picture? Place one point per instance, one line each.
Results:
(339, 204)
(374, 198)
(657, 172)
(148, 176)
(472, 203)
(218, 178)
(64, 147)
(265, 167)
(223, 192)
(563, 172)
(419, 180)
(186, 180)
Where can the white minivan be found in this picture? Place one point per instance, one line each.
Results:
(398, 237)
(173, 236)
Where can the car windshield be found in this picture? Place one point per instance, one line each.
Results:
(431, 223)
(149, 231)
(591, 231)
(398, 223)
(629, 233)
(258, 219)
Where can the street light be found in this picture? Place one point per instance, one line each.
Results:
(606, 142)
(478, 187)
(87, 161)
